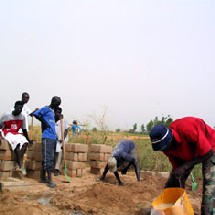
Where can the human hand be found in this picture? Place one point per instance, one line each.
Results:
(132, 160)
(30, 141)
(124, 171)
(120, 183)
(100, 178)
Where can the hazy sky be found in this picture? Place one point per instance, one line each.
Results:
(133, 59)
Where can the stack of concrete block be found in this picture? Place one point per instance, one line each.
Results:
(98, 156)
(76, 158)
(7, 160)
(34, 160)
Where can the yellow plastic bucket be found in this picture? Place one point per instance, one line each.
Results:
(172, 201)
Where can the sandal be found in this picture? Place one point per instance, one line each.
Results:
(51, 184)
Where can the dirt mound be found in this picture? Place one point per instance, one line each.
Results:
(86, 196)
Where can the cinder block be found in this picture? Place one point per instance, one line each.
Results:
(96, 171)
(78, 172)
(33, 165)
(31, 146)
(68, 147)
(38, 156)
(100, 148)
(71, 173)
(73, 156)
(84, 172)
(82, 156)
(7, 155)
(4, 145)
(33, 174)
(106, 156)
(96, 156)
(98, 164)
(30, 155)
(37, 146)
(78, 147)
(76, 165)
(5, 174)
(7, 165)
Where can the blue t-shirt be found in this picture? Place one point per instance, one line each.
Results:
(48, 115)
(122, 151)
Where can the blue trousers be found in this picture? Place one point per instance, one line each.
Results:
(48, 152)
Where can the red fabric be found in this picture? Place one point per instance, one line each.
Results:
(12, 126)
(191, 138)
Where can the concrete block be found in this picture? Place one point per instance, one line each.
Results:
(7, 165)
(7, 155)
(96, 156)
(78, 147)
(71, 173)
(82, 156)
(33, 165)
(96, 171)
(4, 145)
(73, 156)
(100, 148)
(106, 156)
(37, 146)
(4, 174)
(33, 174)
(30, 155)
(98, 164)
(38, 156)
(76, 165)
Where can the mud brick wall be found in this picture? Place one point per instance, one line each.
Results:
(76, 159)
(98, 156)
(34, 160)
(7, 160)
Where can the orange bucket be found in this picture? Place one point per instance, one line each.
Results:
(172, 201)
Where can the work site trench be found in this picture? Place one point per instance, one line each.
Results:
(88, 196)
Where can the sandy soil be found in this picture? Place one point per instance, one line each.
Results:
(87, 196)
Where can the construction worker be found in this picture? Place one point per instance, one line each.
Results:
(49, 139)
(187, 142)
(122, 157)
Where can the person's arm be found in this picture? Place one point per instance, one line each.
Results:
(136, 168)
(32, 113)
(104, 173)
(41, 119)
(179, 171)
(25, 133)
(117, 177)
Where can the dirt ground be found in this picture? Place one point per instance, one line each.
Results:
(86, 195)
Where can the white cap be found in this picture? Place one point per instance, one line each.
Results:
(112, 164)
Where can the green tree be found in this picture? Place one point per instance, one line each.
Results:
(135, 127)
(142, 127)
(149, 126)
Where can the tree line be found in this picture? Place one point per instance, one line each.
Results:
(166, 121)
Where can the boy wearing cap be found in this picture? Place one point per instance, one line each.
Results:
(122, 157)
(187, 142)
(49, 139)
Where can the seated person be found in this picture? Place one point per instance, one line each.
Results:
(10, 123)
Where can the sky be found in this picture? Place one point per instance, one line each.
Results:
(130, 60)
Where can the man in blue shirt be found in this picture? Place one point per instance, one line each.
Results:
(122, 157)
(49, 138)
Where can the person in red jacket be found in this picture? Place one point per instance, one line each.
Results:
(187, 142)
